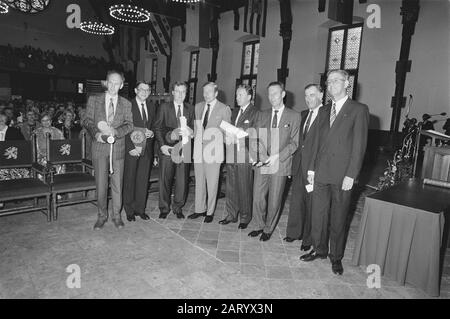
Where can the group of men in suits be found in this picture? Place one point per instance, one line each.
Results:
(322, 149)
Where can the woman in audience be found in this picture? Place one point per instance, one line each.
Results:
(69, 129)
(45, 128)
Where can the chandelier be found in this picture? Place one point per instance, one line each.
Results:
(27, 6)
(129, 13)
(3, 7)
(97, 28)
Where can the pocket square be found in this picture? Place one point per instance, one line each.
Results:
(246, 122)
(286, 125)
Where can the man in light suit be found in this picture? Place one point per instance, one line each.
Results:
(116, 111)
(337, 160)
(278, 133)
(299, 219)
(138, 165)
(208, 151)
(239, 181)
(168, 134)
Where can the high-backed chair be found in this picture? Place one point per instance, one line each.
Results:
(66, 152)
(22, 154)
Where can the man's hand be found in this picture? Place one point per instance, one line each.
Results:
(134, 152)
(98, 138)
(347, 183)
(165, 149)
(149, 133)
(272, 160)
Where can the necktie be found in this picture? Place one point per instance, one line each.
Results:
(205, 119)
(144, 115)
(178, 115)
(111, 112)
(275, 120)
(333, 113)
(239, 115)
(308, 121)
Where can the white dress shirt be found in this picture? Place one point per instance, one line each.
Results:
(211, 106)
(3, 134)
(108, 98)
(139, 103)
(313, 117)
(340, 103)
(181, 108)
(280, 112)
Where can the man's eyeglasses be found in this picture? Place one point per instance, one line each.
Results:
(334, 81)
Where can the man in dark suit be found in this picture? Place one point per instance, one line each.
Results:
(169, 134)
(115, 110)
(9, 133)
(208, 151)
(278, 133)
(337, 161)
(299, 219)
(138, 164)
(239, 181)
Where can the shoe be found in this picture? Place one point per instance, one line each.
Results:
(179, 214)
(289, 239)
(312, 255)
(225, 221)
(265, 237)
(118, 223)
(336, 267)
(208, 219)
(242, 226)
(163, 215)
(196, 215)
(99, 223)
(143, 216)
(255, 233)
(131, 218)
(305, 247)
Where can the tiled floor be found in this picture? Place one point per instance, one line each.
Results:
(172, 258)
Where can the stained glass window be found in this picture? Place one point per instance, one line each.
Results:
(154, 76)
(250, 59)
(344, 48)
(192, 81)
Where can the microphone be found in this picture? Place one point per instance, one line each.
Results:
(441, 114)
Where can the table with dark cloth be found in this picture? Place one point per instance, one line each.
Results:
(402, 230)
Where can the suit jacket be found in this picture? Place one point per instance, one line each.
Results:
(203, 138)
(13, 134)
(339, 150)
(246, 121)
(166, 122)
(303, 156)
(138, 121)
(287, 140)
(123, 123)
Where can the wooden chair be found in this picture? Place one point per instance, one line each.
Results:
(64, 152)
(17, 155)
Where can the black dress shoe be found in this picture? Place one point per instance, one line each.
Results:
(163, 215)
(336, 267)
(208, 219)
(312, 255)
(225, 221)
(179, 214)
(289, 239)
(255, 233)
(131, 218)
(242, 225)
(265, 237)
(143, 216)
(196, 215)
(305, 247)
(100, 223)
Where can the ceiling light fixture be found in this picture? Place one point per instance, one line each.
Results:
(97, 28)
(129, 13)
(3, 7)
(186, 1)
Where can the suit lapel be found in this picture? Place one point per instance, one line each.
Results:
(102, 106)
(244, 115)
(341, 116)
